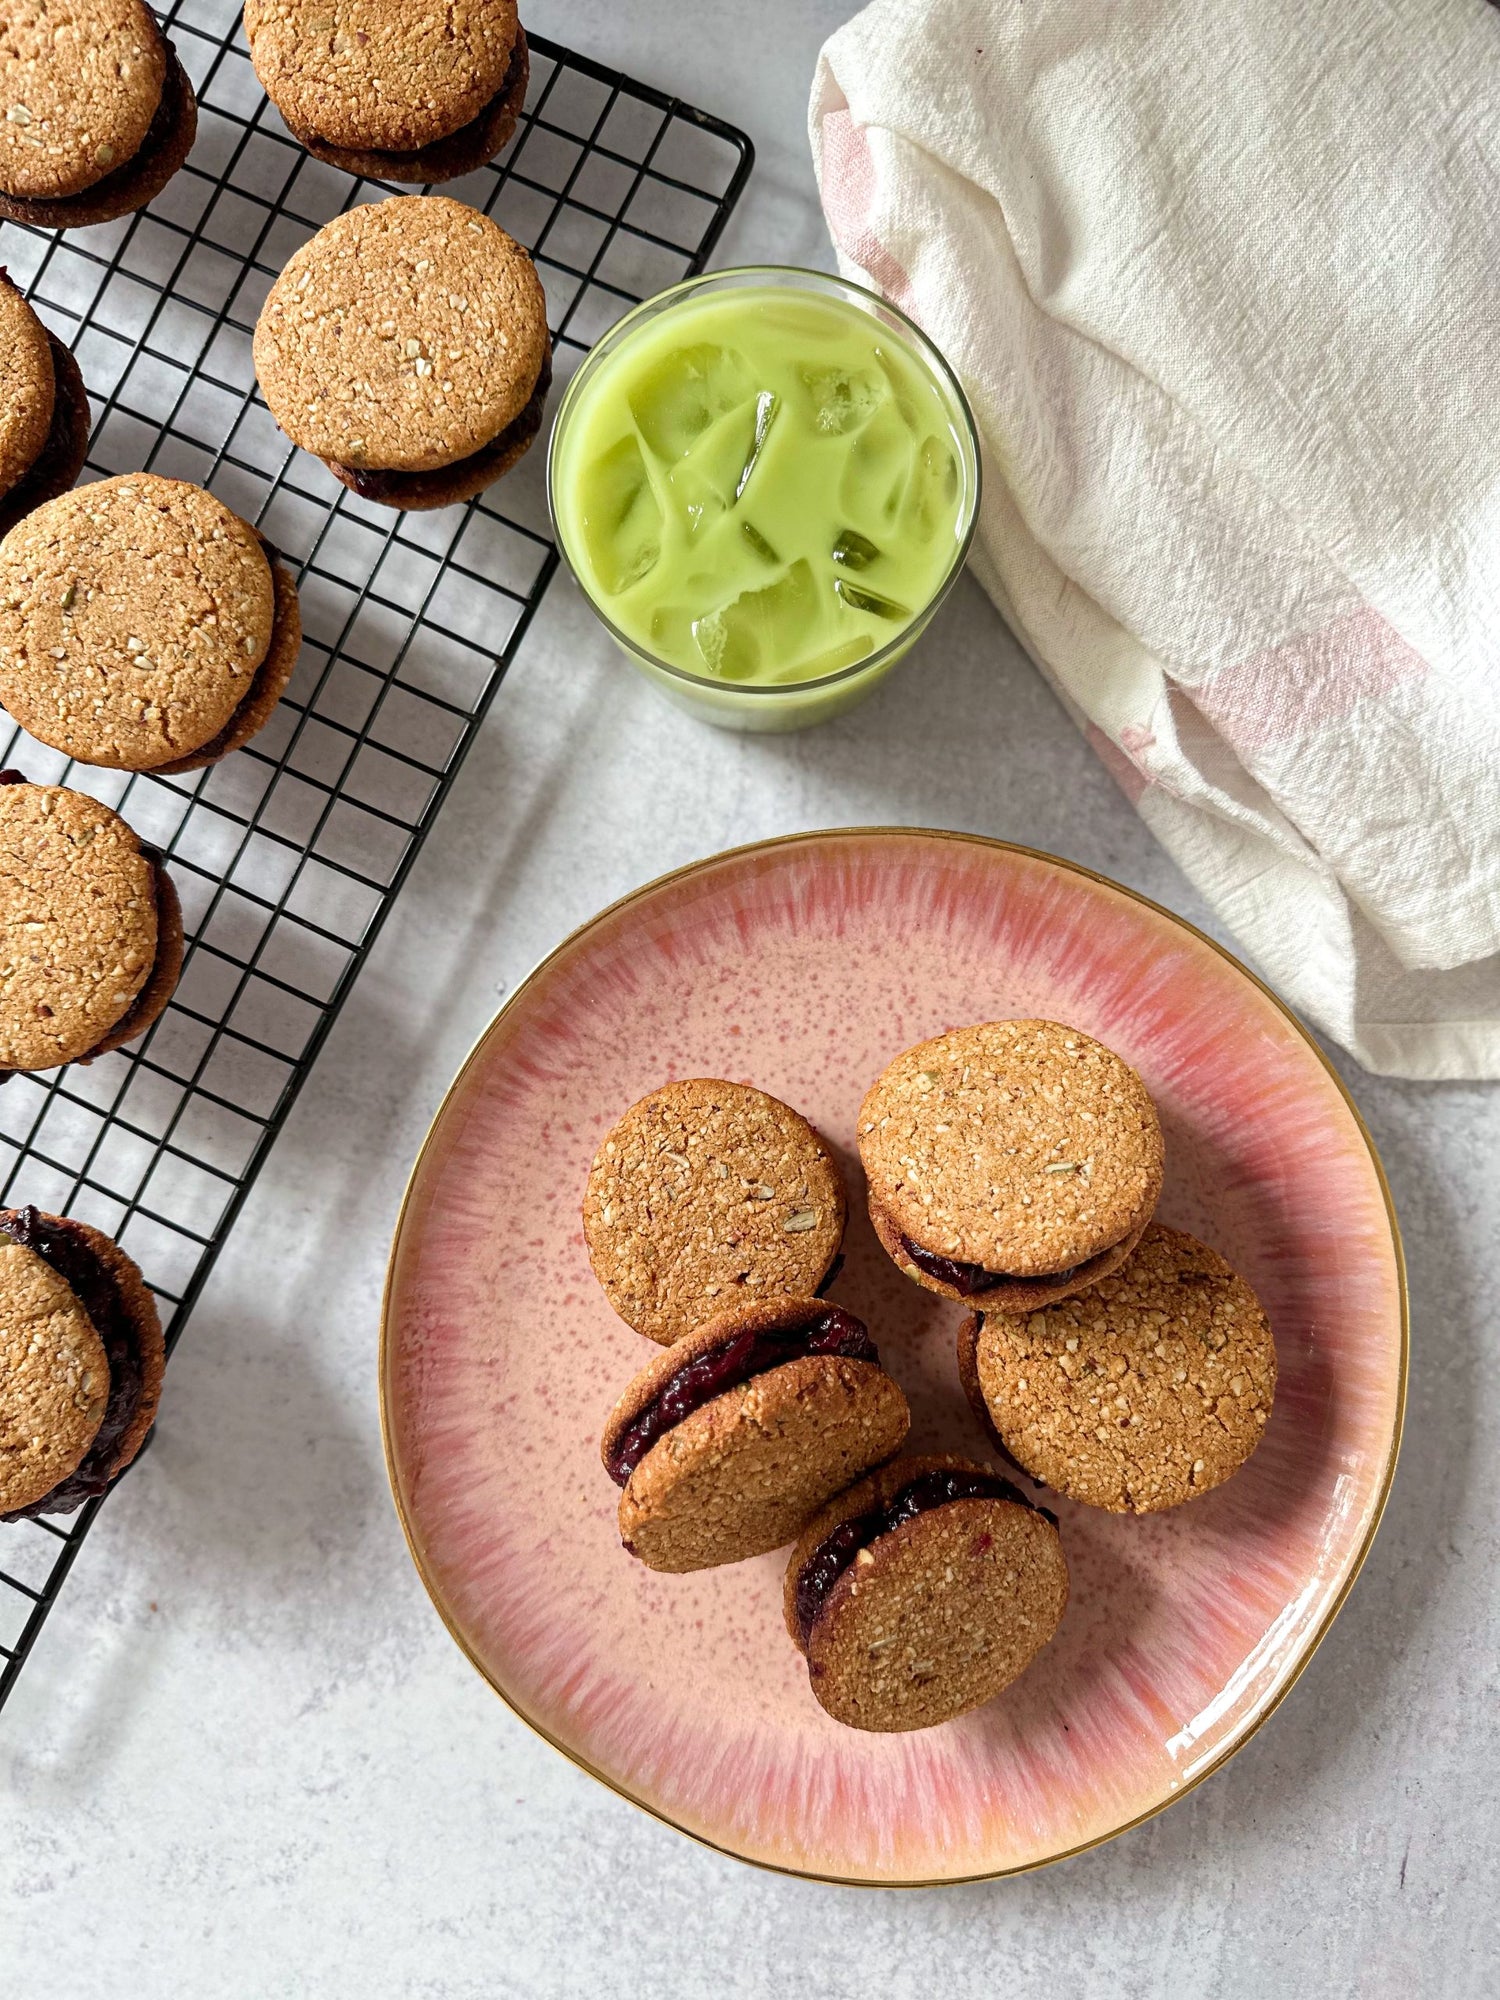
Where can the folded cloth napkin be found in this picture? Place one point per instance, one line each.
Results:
(1223, 284)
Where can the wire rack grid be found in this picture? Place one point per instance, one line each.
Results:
(288, 854)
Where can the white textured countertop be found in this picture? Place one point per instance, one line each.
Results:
(246, 1759)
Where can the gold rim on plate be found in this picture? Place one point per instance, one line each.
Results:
(791, 840)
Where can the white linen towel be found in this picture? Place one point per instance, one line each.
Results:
(1223, 284)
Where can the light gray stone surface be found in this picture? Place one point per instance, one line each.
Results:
(246, 1760)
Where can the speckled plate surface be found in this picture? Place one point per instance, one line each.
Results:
(803, 965)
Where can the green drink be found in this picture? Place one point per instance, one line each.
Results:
(765, 489)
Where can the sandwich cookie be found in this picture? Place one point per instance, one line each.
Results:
(1010, 1164)
(389, 92)
(1146, 1390)
(96, 112)
(143, 626)
(44, 411)
(81, 1362)
(90, 928)
(707, 1193)
(406, 346)
(726, 1443)
(922, 1592)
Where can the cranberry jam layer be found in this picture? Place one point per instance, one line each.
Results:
(738, 1359)
(837, 1551)
(63, 1245)
(968, 1279)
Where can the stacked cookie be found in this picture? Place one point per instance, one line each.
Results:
(96, 112)
(81, 1361)
(1015, 1166)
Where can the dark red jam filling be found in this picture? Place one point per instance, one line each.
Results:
(738, 1360)
(370, 483)
(967, 1279)
(836, 1552)
(91, 1282)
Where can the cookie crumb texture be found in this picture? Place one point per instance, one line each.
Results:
(54, 1378)
(741, 1475)
(1145, 1391)
(706, 1194)
(937, 1617)
(80, 81)
(392, 74)
(78, 924)
(405, 335)
(134, 614)
(1023, 1147)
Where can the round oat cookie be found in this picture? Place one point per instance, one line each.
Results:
(923, 1592)
(134, 616)
(1144, 1391)
(730, 1439)
(80, 83)
(54, 1378)
(377, 73)
(64, 448)
(78, 924)
(27, 387)
(1016, 1150)
(407, 334)
(707, 1192)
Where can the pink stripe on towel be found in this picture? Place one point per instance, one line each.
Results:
(851, 188)
(1319, 677)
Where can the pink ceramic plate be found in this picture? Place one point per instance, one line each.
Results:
(804, 965)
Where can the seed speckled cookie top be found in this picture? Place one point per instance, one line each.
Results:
(379, 73)
(1146, 1390)
(78, 924)
(1024, 1148)
(26, 385)
(80, 81)
(406, 335)
(922, 1592)
(706, 1193)
(54, 1379)
(134, 614)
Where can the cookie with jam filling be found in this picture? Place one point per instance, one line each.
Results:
(90, 928)
(392, 94)
(143, 625)
(726, 1443)
(406, 345)
(96, 111)
(81, 1363)
(44, 411)
(923, 1592)
(1010, 1164)
(1150, 1388)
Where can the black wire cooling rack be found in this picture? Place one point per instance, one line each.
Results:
(288, 855)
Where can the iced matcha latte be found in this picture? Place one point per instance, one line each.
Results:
(764, 487)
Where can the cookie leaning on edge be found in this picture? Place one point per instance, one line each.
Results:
(922, 1592)
(44, 411)
(81, 1362)
(96, 112)
(726, 1443)
(406, 346)
(143, 626)
(1010, 1164)
(707, 1193)
(90, 928)
(390, 93)
(1144, 1391)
